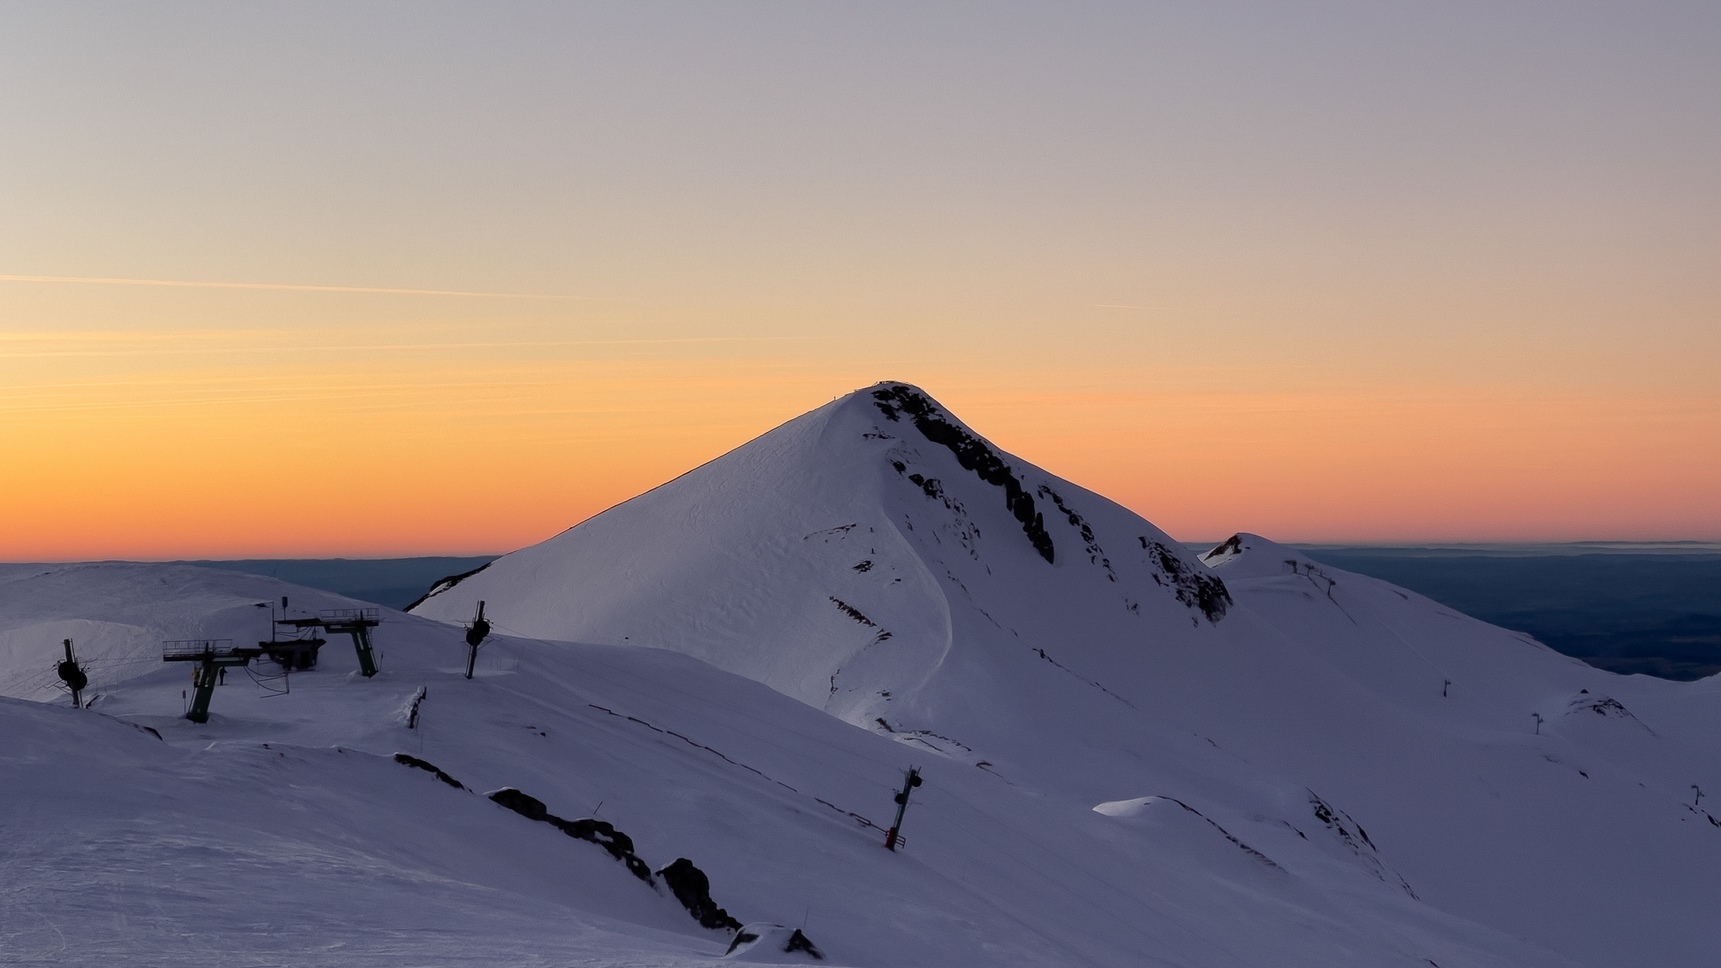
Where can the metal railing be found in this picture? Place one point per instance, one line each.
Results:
(195, 648)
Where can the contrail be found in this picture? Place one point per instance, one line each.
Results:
(281, 286)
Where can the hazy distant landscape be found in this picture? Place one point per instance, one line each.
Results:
(394, 582)
(1643, 608)
(1649, 608)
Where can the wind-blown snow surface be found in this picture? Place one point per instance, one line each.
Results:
(1132, 756)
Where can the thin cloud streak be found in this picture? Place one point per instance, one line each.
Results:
(283, 287)
(218, 350)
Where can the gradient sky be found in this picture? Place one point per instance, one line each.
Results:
(438, 278)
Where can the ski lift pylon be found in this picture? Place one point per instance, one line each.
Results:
(73, 675)
(475, 635)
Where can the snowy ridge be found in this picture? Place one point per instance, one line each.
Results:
(1122, 745)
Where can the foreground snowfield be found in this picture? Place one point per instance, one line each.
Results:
(1132, 756)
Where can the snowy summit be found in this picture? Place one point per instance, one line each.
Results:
(686, 737)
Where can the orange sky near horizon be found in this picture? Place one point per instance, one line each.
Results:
(365, 282)
(377, 441)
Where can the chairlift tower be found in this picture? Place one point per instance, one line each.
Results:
(910, 780)
(475, 635)
(73, 676)
(211, 656)
(214, 655)
(356, 622)
(298, 652)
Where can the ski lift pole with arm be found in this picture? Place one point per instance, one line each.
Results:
(910, 780)
(475, 635)
(73, 676)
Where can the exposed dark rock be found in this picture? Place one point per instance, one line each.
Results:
(1601, 706)
(529, 807)
(1605, 707)
(1336, 821)
(443, 584)
(799, 942)
(852, 612)
(693, 889)
(929, 485)
(1193, 589)
(973, 453)
(1096, 554)
(1231, 546)
(962, 528)
(406, 759)
(774, 936)
(741, 938)
(600, 832)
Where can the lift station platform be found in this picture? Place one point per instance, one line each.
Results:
(214, 655)
(356, 622)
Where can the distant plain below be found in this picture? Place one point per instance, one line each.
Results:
(1628, 607)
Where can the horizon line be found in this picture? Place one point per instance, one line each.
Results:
(1694, 544)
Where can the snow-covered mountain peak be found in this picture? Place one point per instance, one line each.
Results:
(1130, 755)
(1246, 555)
(840, 557)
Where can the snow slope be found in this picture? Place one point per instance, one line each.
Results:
(1132, 756)
(1332, 682)
(282, 829)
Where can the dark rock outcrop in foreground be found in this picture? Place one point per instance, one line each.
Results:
(600, 832)
(406, 759)
(693, 889)
(687, 882)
